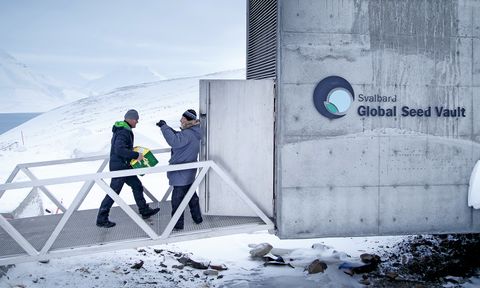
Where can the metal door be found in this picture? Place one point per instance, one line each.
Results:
(238, 123)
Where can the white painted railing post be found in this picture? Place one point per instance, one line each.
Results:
(17, 236)
(169, 191)
(149, 194)
(240, 193)
(77, 201)
(44, 190)
(10, 178)
(184, 203)
(139, 221)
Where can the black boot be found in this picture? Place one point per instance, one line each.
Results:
(147, 212)
(198, 220)
(102, 219)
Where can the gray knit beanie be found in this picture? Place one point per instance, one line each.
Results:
(132, 114)
(190, 115)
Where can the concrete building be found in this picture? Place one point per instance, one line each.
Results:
(373, 174)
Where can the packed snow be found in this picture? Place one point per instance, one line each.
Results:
(161, 269)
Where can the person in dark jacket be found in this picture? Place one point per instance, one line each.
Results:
(185, 147)
(121, 153)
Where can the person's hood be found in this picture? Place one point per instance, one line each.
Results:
(194, 126)
(121, 125)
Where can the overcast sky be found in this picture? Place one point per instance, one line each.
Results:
(93, 37)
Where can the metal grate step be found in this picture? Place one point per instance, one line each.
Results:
(81, 231)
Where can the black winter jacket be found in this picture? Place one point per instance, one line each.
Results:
(121, 151)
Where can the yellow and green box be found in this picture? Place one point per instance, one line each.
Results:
(149, 159)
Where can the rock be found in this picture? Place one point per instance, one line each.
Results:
(356, 268)
(218, 267)
(271, 257)
(194, 264)
(158, 251)
(364, 281)
(349, 272)
(141, 250)
(210, 272)
(275, 263)
(391, 275)
(316, 267)
(83, 270)
(4, 269)
(454, 280)
(44, 261)
(178, 266)
(137, 265)
(370, 258)
(197, 265)
(260, 250)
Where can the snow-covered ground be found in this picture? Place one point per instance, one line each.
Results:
(113, 269)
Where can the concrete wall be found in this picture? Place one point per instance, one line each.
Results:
(362, 175)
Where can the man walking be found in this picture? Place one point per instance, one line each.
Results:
(121, 153)
(185, 147)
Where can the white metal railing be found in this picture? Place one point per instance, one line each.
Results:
(98, 178)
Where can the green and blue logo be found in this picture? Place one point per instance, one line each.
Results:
(333, 96)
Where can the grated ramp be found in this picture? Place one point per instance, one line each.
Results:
(81, 231)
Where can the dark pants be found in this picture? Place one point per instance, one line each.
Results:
(116, 184)
(178, 194)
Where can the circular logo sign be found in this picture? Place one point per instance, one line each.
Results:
(333, 96)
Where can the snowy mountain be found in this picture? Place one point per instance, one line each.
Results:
(24, 90)
(83, 127)
(125, 76)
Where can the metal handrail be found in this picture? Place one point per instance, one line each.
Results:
(81, 159)
(102, 175)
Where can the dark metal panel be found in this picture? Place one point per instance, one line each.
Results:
(262, 39)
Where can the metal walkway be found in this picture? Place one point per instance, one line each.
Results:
(74, 231)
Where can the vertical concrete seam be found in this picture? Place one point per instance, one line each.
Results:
(279, 137)
(378, 188)
(472, 223)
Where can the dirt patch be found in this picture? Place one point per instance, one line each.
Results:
(429, 261)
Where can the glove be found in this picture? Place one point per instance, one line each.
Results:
(161, 123)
